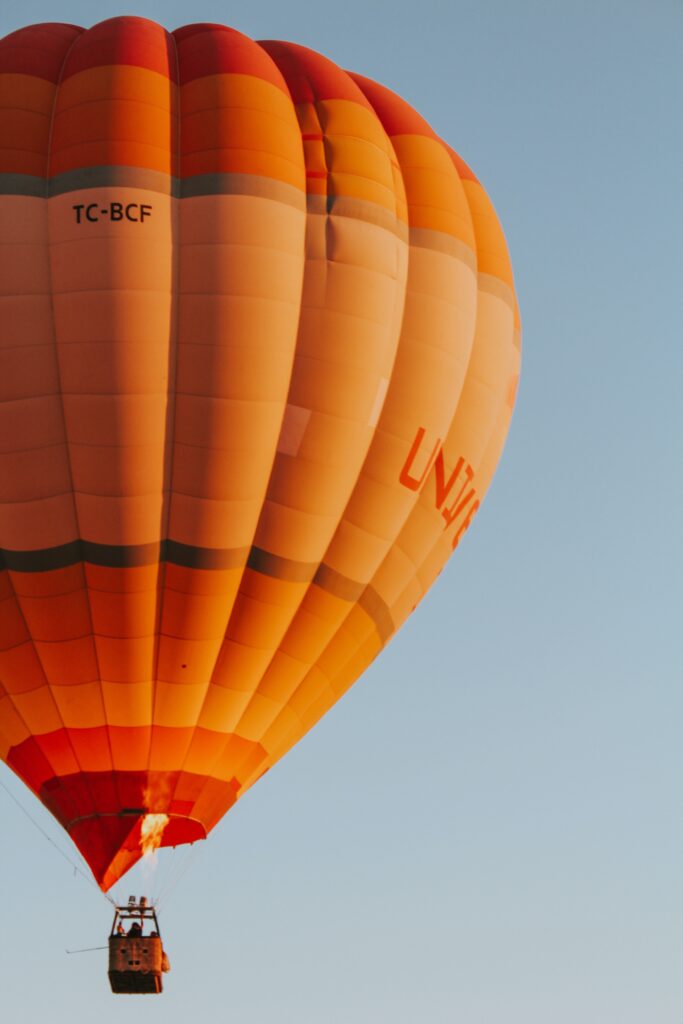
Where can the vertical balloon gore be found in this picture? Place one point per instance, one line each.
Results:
(259, 349)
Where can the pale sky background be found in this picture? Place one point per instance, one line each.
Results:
(488, 828)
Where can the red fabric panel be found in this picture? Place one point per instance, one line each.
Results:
(462, 168)
(215, 49)
(91, 747)
(310, 76)
(182, 830)
(70, 800)
(397, 116)
(126, 40)
(100, 839)
(38, 50)
(30, 763)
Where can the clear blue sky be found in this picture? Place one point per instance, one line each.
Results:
(488, 828)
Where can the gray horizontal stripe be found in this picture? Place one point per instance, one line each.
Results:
(127, 556)
(494, 286)
(106, 177)
(122, 556)
(378, 610)
(204, 185)
(358, 209)
(440, 241)
(130, 556)
(281, 568)
(242, 185)
(203, 558)
(22, 185)
(335, 583)
(153, 181)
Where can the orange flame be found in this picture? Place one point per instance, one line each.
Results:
(151, 831)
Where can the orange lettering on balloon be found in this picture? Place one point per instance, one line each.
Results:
(458, 505)
(464, 526)
(411, 482)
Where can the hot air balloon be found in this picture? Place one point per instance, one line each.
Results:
(259, 350)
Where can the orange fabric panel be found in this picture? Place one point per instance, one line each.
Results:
(30, 61)
(353, 294)
(426, 382)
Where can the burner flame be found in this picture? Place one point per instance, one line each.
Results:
(151, 832)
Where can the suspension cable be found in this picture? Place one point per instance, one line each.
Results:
(181, 870)
(58, 848)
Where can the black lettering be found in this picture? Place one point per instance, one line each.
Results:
(136, 212)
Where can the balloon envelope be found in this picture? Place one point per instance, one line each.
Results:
(259, 350)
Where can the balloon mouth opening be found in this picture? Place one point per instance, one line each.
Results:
(113, 843)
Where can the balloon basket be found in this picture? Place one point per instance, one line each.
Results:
(136, 961)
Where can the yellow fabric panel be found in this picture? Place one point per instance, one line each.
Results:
(285, 725)
(223, 707)
(128, 704)
(177, 704)
(352, 649)
(258, 716)
(282, 676)
(309, 631)
(264, 610)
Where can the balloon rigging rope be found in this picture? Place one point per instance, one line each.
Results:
(50, 840)
(173, 880)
